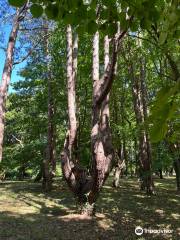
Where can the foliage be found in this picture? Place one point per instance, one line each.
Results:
(152, 33)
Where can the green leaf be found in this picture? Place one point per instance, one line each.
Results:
(17, 3)
(158, 132)
(123, 21)
(36, 10)
(134, 26)
(92, 27)
(52, 11)
(112, 29)
(173, 18)
(81, 29)
(163, 37)
(145, 23)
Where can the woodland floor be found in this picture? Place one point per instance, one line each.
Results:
(26, 213)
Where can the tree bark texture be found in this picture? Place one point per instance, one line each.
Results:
(50, 152)
(86, 186)
(7, 70)
(140, 108)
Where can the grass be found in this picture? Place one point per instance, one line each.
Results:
(26, 213)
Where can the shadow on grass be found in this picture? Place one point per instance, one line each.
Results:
(52, 216)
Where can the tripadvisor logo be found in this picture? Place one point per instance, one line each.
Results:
(138, 231)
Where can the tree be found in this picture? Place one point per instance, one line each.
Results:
(139, 93)
(49, 163)
(6, 75)
(87, 187)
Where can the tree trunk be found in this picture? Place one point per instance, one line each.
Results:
(140, 108)
(120, 165)
(87, 187)
(101, 140)
(160, 174)
(7, 70)
(177, 171)
(50, 156)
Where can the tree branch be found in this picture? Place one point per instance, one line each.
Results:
(174, 67)
(30, 51)
(33, 29)
(18, 140)
(108, 77)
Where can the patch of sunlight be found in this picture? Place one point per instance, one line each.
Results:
(107, 187)
(127, 213)
(106, 199)
(139, 221)
(173, 200)
(175, 216)
(178, 230)
(115, 209)
(139, 195)
(104, 222)
(164, 225)
(76, 217)
(19, 209)
(159, 184)
(160, 212)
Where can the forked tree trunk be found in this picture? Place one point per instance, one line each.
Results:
(87, 187)
(101, 140)
(140, 108)
(7, 71)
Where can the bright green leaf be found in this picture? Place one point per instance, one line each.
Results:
(163, 37)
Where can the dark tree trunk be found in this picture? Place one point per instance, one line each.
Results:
(7, 71)
(21, 173)
(160, 174)
(177, 171)
(174, 149)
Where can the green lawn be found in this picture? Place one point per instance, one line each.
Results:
(26, 213)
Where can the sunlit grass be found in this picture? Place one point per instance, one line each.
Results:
(27, 213)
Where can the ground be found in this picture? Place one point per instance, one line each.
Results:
(26, 213)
